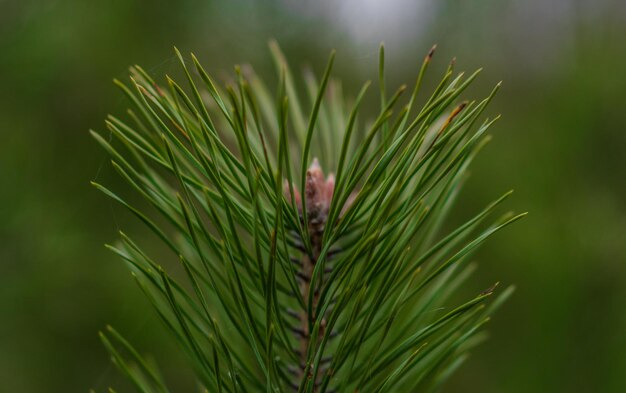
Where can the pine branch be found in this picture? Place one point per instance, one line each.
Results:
(295, 280)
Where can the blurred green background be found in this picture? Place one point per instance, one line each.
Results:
(561, 144)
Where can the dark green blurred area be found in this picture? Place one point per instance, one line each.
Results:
(561, 144)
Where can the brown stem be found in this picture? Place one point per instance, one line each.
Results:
(306, 272)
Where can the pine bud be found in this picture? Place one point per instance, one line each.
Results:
(319, 191)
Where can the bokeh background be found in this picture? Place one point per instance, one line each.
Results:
(561, 144)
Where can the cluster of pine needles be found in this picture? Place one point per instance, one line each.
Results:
(291, 280)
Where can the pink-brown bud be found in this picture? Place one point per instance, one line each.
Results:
(315, 190)
(319, 191)
(287, 193)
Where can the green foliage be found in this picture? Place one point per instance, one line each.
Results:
(279, 291)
